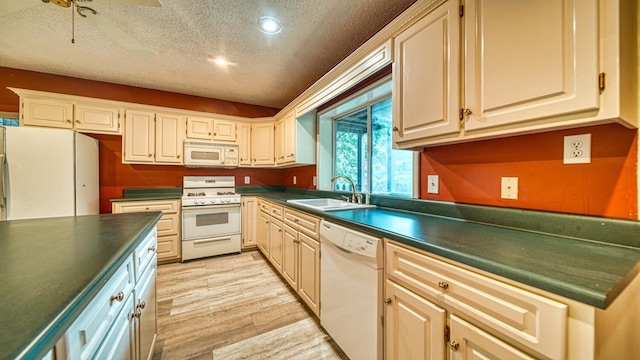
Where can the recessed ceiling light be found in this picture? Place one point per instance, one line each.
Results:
(221, 61)
(269, 25)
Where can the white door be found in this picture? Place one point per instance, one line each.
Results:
(40, 173)
(87, 171)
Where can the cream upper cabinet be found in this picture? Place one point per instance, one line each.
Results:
(244, 143)
(139, 140)
(97, 118)
(426, 80)
(153, 138)
(46, 112)
(170, 132)
(199, 128)
(529, 60)
(205, 128)
(513, 67)
(262, 143)
(295, 139)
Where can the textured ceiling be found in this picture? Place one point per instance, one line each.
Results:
(270, 70)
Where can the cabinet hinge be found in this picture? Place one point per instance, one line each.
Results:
(602, 81)
(461, 114)
(447, 336)
(461, 10)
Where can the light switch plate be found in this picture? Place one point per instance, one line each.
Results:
(433, 184)
(295, 180)
(315, 181)
(509, 188)
(247, 179)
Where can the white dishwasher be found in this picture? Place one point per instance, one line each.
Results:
(351, 279)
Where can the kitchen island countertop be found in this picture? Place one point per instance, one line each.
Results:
(588, 271)
(52, 268)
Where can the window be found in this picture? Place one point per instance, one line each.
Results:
(9, 122)
(356, 141)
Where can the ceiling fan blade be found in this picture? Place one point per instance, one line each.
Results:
(118, 35)
(155, 3)
(7, 7)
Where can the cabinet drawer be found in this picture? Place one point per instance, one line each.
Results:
(276, 211)
(307, 224)
(264, 206)
(168, 224)
(168, 247)
(142, 206)
(145, 253)
(85, 335)
(531, 320)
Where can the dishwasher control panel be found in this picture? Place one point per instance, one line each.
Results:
(361, 244)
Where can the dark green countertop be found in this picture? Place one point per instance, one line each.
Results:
(588, 270)
(52, 268)
(142, 194)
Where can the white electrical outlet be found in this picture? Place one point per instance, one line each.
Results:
(247, 179)
(315, 181)
(433, 185)
(509, 188)
(294, 180)
(577, 149)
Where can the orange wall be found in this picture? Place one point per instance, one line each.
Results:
(470, 173)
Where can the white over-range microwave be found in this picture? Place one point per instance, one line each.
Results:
(199, 153)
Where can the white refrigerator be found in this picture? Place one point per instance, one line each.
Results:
(47, 173)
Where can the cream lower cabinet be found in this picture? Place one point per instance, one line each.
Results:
(249, 221)
(431, 303)
(290, 240)
(169, 233)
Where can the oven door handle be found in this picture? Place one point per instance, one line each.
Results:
(212, 240)
(209, 207)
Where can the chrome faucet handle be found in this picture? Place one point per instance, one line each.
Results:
(346, 198)
(367, 197)
(359, 196)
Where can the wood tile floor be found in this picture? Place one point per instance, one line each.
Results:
(234, 307)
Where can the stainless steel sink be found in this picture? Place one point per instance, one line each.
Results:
(325, 204)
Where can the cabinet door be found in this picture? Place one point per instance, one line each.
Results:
(47, 112)
(528, 60)
(469, 342)
(244, 143)
(427, 76)
(414, 327)
(276, 235)
(263, 233)
(139, 137)
(290, 256)
(309, 275)
(279, 142)
(289, 138)
(97, 119)
(120, 341)
(263, 144)
(170, 133)
(199, 128)
(146, 313)
(224, 130)
(249, 223)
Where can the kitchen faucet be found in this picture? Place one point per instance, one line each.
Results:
(354, 196)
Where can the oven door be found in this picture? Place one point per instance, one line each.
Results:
(201, 222)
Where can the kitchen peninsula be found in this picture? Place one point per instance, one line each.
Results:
(53, 268)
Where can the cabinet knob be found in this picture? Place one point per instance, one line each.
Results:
(141, 305)
(454, 345)
(136, 315)
(395, 128)
(467, 112)
(150, 155)
(69, 121)
(146, 208)
(152, 249)
(443, 285)
(177, 156)
(119, 297)
(214, 134)
(77, 121)
(387, 301)
(209, 134)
